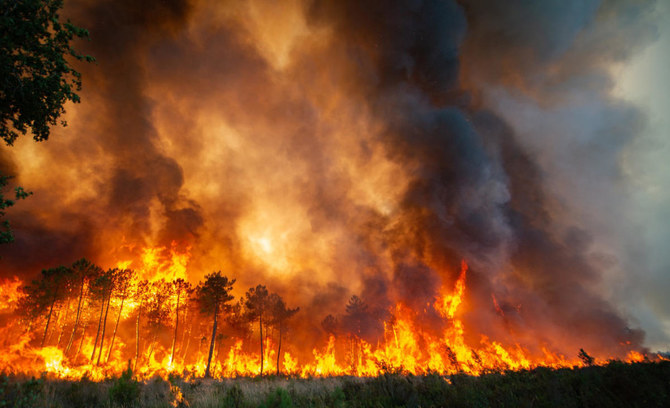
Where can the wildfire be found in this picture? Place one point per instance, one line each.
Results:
(10, 293)
(142, 328)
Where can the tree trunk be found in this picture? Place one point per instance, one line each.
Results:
(279, 349)
(62, 326)
(81, 342)
(188, 340)
(183, 332)
(97, 333)
(104, 326)
(176, 324)
(76, 320)
(211, 343)
(46, 328)
(57, 314)
(260, 322)
(137, 337)
(151, 349)
(116, 327)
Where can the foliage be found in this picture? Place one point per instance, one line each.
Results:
(330, 325)
(20, 394)
(41, 294)
(356, 316)
(6, 235)
(257, 302)
(279, 398)
(37, 79)
(82, 393)
(585, 357)
(125, 390)
(214, 293)
(157, 306)
(279, 312)
(234, 398)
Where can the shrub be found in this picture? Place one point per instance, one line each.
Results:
(280, 398)
(234, 397)
(82, 393)
(125, 390)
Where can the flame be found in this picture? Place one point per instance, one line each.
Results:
(407, 345)
(10, 294)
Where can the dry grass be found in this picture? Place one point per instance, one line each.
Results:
(614, 385)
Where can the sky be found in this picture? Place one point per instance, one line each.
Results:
(646, 82)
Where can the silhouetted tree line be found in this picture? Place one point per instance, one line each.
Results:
(76, 302)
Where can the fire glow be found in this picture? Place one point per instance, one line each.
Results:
(405, 346)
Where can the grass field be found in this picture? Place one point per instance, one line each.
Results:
(616, 384)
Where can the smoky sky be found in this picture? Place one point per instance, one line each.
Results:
(467, 100)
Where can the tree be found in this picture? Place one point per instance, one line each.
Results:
(43, 294)
(355, 317)
(180, 287)
(258, 304)
(83, 274)
(213, 296)
(280, 314)
(102, 289)
(237, 321)
(158, 310)
(123, 280)
(330, 325)
(356, 321)
(140, 295)
(37, 79)
(6, 235)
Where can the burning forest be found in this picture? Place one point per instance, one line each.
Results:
(326, 188)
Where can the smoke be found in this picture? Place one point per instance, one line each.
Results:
(339, 148)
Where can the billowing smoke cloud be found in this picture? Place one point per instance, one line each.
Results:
(333, 148)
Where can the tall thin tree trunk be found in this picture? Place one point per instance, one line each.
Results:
(116, 327)
(97, 333)
(211, 343)
(56, 316)
(279, 349)
(176, 324)
(137, 337)
(76, 320)
(260, 322)
(183, 332)
(81, 342)
(46, 328)
(188, 340)
(151, 348)
(104, 326)
(62, 326)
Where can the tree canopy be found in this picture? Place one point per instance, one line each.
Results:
(36, 76)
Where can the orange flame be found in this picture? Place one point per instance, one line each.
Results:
(407, 346)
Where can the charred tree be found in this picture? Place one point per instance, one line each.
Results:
(258, 304)
(280, 315)
(123, 281)
(180, 287)
(84, 272)
(213, 295)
